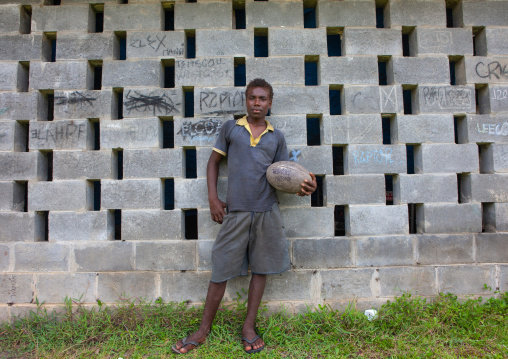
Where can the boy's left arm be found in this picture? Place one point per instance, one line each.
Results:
(308, 187)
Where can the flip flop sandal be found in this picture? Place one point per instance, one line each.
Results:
(185, 343)
(252, 351)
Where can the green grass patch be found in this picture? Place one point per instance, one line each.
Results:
(407, 327)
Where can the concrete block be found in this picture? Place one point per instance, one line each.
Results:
(418, 281)
(415, 13)
(445, 99)
(311, 158)
(41, 257)
(446, 158)
(61, 18)
(204, 250)
(355, 189)
(451, 279)
(193, 193)
(202, 157)
(480, 13)
(445, 249)
(184, 286)
(10, 18)
(423, 129)
(217, 101)
(450, 218)
(134, 73)
(485, 129)
(131, 133)
(12, 136)
(346, 13)
(384, 251)
(201, 131)
(9, 76)
(501, 216)
(503, 279)
(499, 158)
(83, 104)
(11, 196)
(18, 106)
(58, 196)
(352, 129)
(425, 188)
(293, 200)
(481, 69)
(20, 47)
(111, 256)
(154, 163)
(155, 44)
(64, 75)
(495, 40)
(287, 70)
(414, 70)
(236, 43)
(205, 15)
(294, 128)
(54, 288)
(80, 226)
(492, 248)
(361, 99)
(207, 71)
(20, 166)
(118, 17)
(137, 285)
(376, 220)
(5, 257)
(347, 284)
(288, 100)
(449, 41)
(83, 165)
(76, 46)
(308, 222)
(273, 14)
(152, 224)
(489, 187)
(207, 228)
(323, 253)
(300, 285)
(357, 70)
(498, 98)
(375, 159)
(60, 135)
(166, 256)
(131, 194)
(297, 41)
(151, 103)
(370, 41)
(16, 288)
(20, 227)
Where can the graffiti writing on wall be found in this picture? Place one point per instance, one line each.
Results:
(492, 70)
(388, 99)
(75, 98)
(151, 102)
(294, 155)
(499, 94)
(158, 43)
(379, 156)
(201, 131)
(58, 132)
(499, 129)
(435, 39)
(3, 110)
(226, 102)
(201, 69)
(447, 97)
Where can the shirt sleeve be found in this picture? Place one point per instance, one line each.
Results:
(222, 143)
(282, 151)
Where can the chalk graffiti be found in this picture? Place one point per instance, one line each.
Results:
(59, 132)
(223, 103)
(3, 110)
(379, 156)
(447, 97)
(75, 98)
(157, 42)
(294, 155)
(498, 94)
(436, 39)
(201, 69)
(492, 70)
(208, 63)
(136, 101)
(493, 129)
(202, 131)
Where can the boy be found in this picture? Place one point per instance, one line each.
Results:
(252, 231)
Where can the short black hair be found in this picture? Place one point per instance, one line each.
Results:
(260, 83)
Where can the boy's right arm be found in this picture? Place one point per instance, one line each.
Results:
(217, 207)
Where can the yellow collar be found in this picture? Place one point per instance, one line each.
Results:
(254, 141)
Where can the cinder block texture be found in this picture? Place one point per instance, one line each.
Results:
(294, 128)
(193, 193)
(446, 158)
(475, 13)
(349, 70)
(83, 104)
(83, 165)
(449, 41)
(172, 255)
(310, 158)
(72, 46)
(494, 41)
(450, 218)
(18, 47)
(65, 75)
(423, 128)
(451, 279)
(352, 129)
(445, 99)
(5, 258)
(58, 196)
(19, 166)
(81, 226)
(202, 131)
(237, 43)
(384, 251)
(370, 41)
(485, 129)
(21, 227)
(150, 103)
(293, 100)
(16, 288)
(348, 13)
(154, 163)
(132, 73)
(11, 196)
(373, 220)
(133, 17)
(115, 286)
(131, 133)
(414, 13)
(501, 216)
(51, 287)
(60, 135)
(491, 247)
(356, 189)
(414, 188)
(396, 281)
(411, 70)
(183, 286)
(60, 18)
(375, 159)
(131, 194)
(207, 71)
(18, 106)
(12, 136)
(498, 98)
(41, 257)
(152, 224)
(489, 187)
(277, 70)
(480, 69)
(308, 222)
(108, 256)
(373, 99)
(212, 15)
(9, 76)
(273, 14)
(445, 249)
(322, 253)
(10, 19)
(155, 44)
(283, 41)
(347, 284)
(209, 101)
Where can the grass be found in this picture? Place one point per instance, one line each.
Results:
(407, 327)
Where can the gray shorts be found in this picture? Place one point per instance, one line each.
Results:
(255, 238)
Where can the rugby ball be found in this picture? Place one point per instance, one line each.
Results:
(287, 176)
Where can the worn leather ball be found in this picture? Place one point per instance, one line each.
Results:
(287, 176)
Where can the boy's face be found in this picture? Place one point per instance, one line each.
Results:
(258, 102)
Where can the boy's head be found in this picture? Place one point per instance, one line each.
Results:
(259, 83)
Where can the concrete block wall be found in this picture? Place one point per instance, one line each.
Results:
(400, 107)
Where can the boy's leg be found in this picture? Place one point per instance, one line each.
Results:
(213, 299)
(256, 290)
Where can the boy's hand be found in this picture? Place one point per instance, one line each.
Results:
(217, 210)
(308, 187)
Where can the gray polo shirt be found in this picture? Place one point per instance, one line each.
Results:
(248, 159)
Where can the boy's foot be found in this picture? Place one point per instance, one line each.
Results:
(252, 343)
(189, 343)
